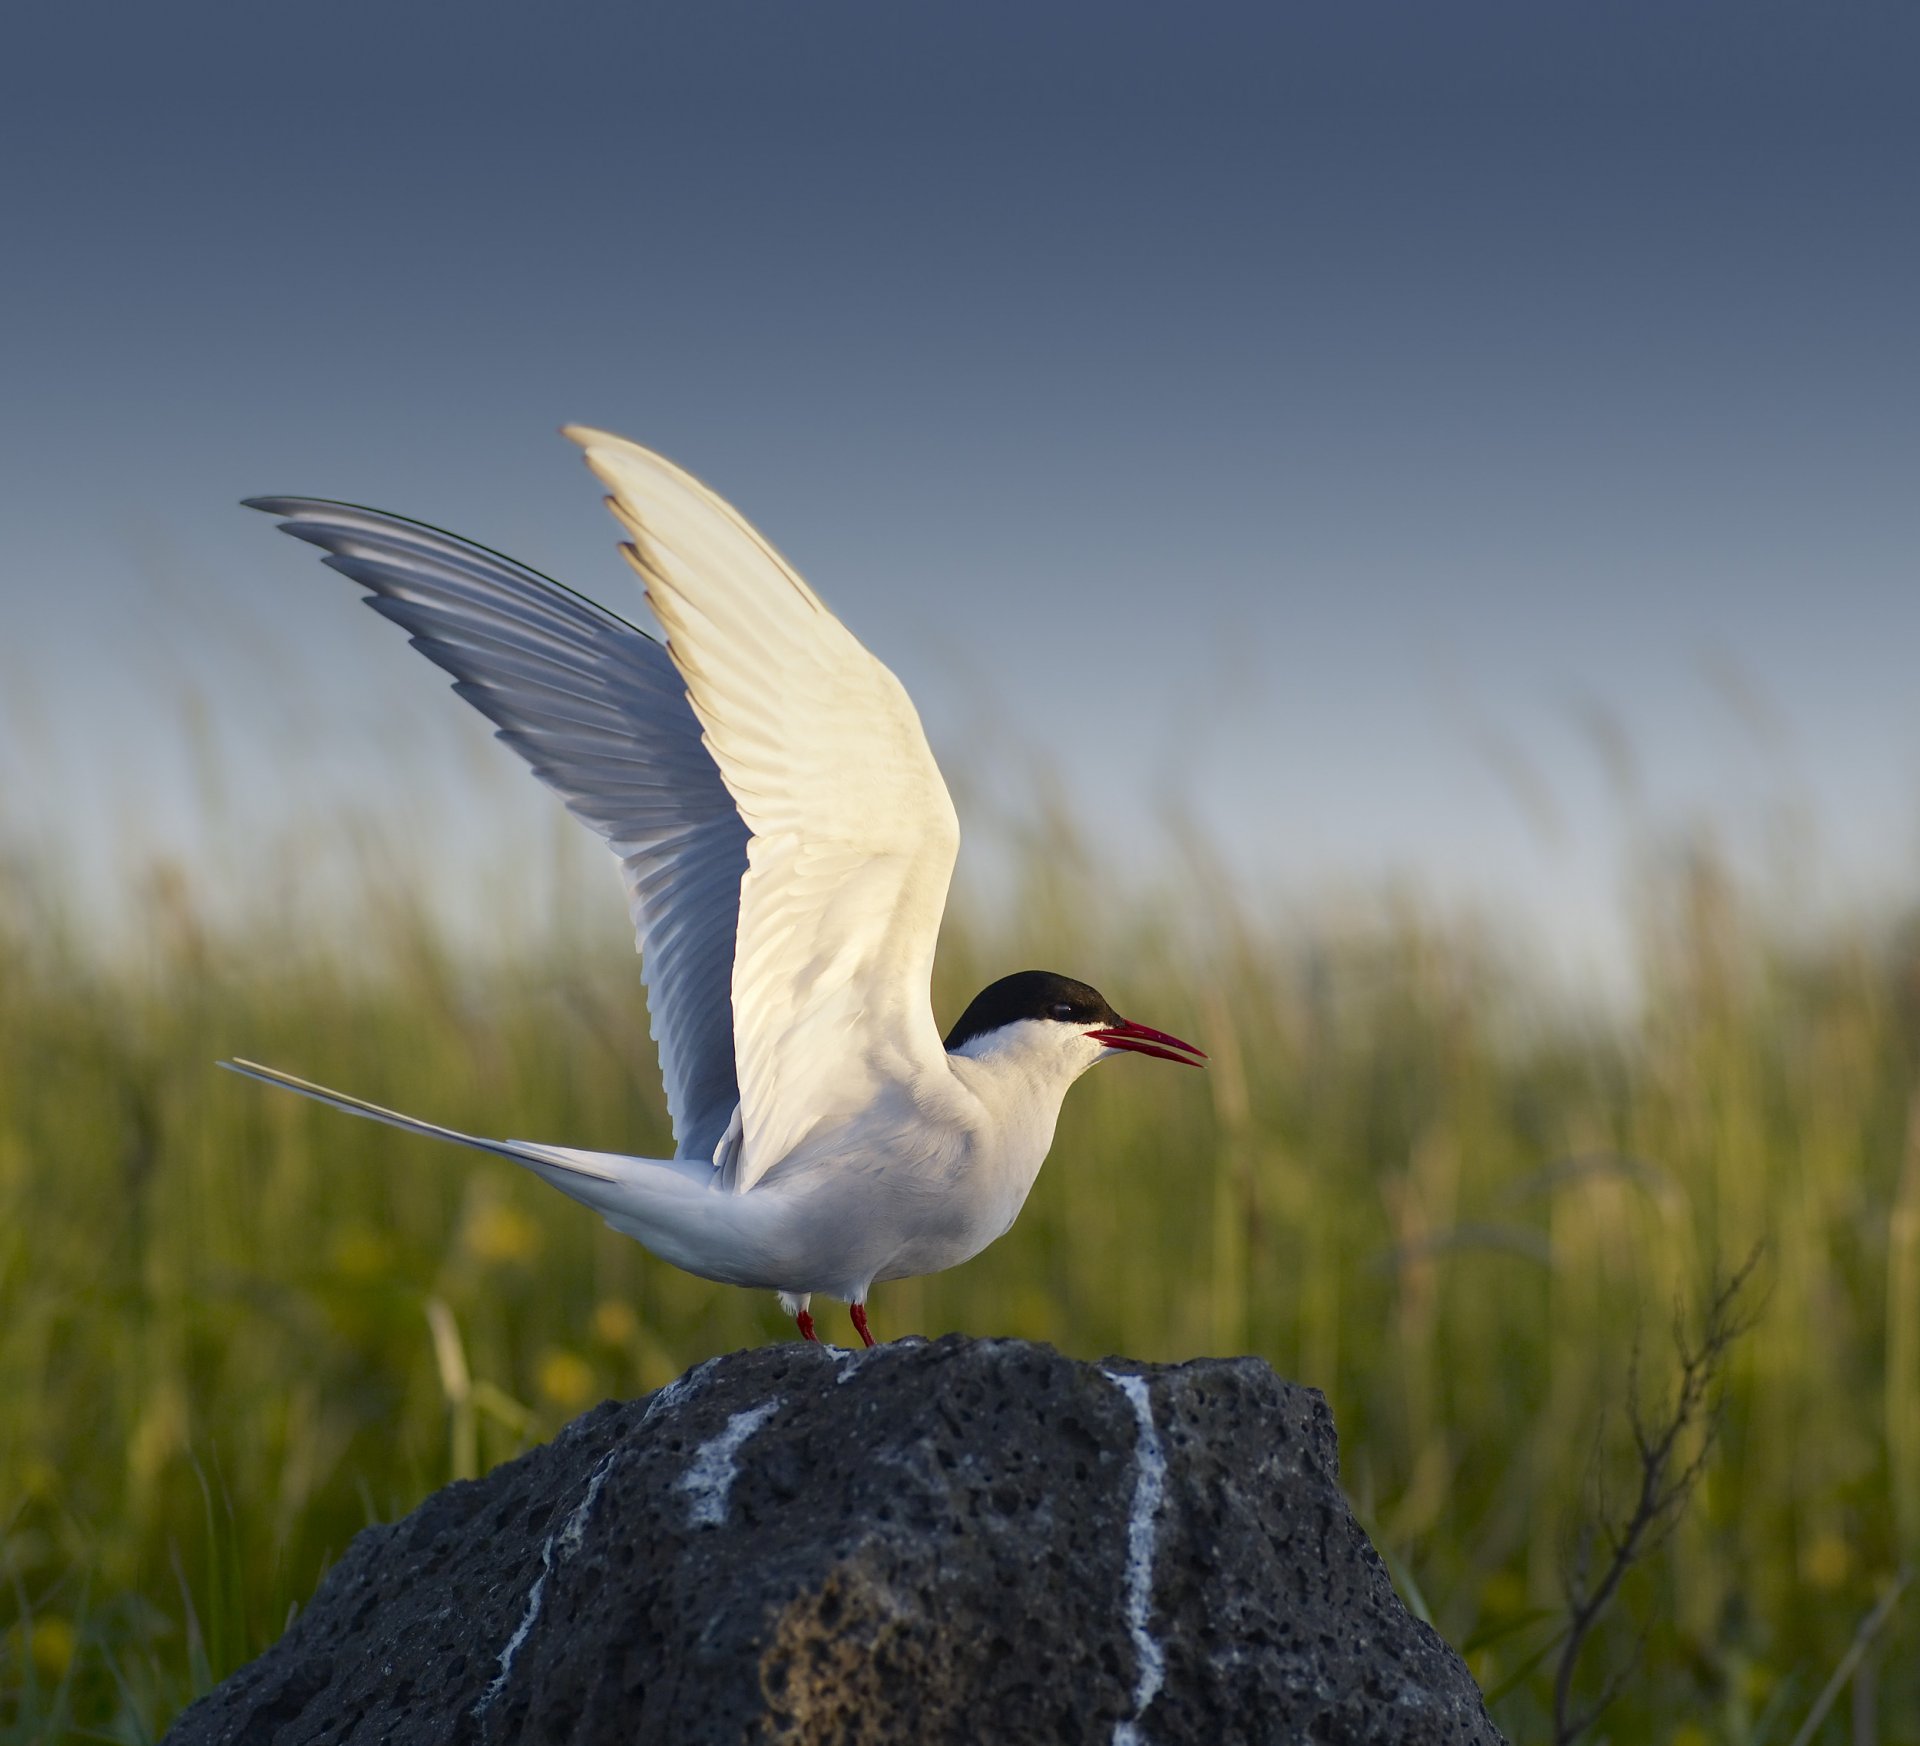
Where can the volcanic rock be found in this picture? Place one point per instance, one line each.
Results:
(966, 1541)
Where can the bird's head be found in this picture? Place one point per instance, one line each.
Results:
(1060, 1024)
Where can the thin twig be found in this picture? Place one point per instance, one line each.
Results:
(1661, 1495)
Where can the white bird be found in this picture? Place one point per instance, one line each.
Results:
(787, 843)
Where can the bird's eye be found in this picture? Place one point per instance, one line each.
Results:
(1063, 1010)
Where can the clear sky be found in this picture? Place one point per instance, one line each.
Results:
(1352, 419)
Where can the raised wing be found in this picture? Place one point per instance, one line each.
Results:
(854, 835)
(598, 710)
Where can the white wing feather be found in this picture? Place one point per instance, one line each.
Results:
(854, 834)
(598, 710)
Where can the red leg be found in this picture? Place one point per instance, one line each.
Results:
(806, 1326)
(860, 1323)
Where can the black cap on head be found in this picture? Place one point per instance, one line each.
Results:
(1031, 994)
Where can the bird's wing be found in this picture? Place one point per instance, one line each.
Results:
(598, 710)
(854, 835)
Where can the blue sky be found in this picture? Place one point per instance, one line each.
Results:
(1344, 418)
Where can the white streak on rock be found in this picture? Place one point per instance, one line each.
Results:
(1149, 1485)
(566, 1540)
(847, 1361)
(710, 1478)
(667, 1398)
(574, 1528)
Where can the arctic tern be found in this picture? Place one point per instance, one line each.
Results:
(787, 844)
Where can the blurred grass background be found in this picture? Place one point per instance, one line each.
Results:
(235, 1328)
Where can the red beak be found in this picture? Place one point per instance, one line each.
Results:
(1142, 1041)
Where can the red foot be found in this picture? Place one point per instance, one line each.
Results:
(806, 1326)
(860, 1323)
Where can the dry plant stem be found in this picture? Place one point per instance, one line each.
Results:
(1665, 1483)
(1863, 1637)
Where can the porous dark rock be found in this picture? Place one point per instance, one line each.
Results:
(963, 1541)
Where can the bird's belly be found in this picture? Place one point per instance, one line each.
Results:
(848, 1240)
(935, 1250)
(907, 1187)
(843, 1229)
(957, 1229)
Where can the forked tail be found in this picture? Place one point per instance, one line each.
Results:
(674, 1206)
(543, 1159)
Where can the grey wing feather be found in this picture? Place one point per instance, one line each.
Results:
(595, 706)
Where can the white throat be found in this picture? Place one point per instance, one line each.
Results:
(1022, 1071)
(1018, 1076)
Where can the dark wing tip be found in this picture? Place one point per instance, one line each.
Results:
(299, 506)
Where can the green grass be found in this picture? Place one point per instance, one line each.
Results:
(235, 1328)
